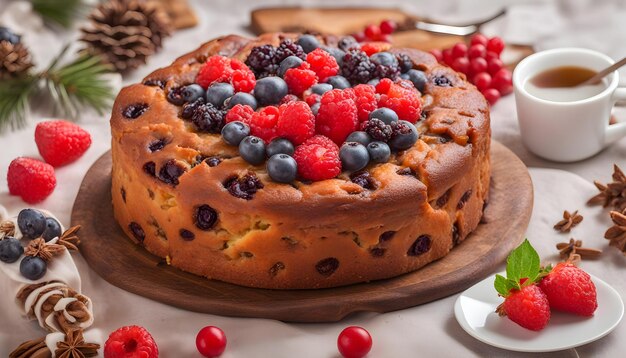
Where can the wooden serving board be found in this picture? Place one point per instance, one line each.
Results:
(127, 265)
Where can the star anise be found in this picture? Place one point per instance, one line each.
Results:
(74, 346)
(35, 348)
(40, 248)
(612, 194)
(69, 238)
(7, 228)
(568, 250)
(616, 234)
(569, 221)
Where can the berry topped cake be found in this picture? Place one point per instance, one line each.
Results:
(293, 161)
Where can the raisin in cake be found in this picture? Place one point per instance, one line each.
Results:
(185, 194)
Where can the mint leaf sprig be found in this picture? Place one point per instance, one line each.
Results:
(523, 268)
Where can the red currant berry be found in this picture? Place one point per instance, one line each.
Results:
(491, 95)
(354, 342)
(372, 32)
(388, 26)
(503, 82)
(438, 54)
(476, 50)
(479, 39)
(447, 56)
(459, 50)
(211, 341)
(359, 36)
(478, 65)
(461, 64)
(384, 38)
(494, 65)
(482, 81)
(495, 44)
(491, 55)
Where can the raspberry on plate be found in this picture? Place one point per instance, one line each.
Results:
(366, 101)
(295, 122)
(300, 79)
(61, 142)
(31, 179)
(402, 97)
(131, 342)
(318, 159)
(241, 113)
(527, 307)
(338, 115)
(263, 123)
(570, 289)
(322, 63)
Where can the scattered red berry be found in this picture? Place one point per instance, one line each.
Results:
(491, 95)
(240, 112)
(476, 51)
(211, 341)
(478, 65)
(482, 81)
(495, 44)
(366, 101)
(322, 63)
(61, 142)
(338, 115)
(447, 56)
(479, 39)
(438, 54)
(131, 342)
(388, 27)
(491, 55)
(528, 307)
(215, 69)
(300, 79)
(461, 64)
(459, 50)
(263, 123)
(354, 342)
(318, 159)
(359, 36)
(570, 289)
(372, 31)
(503, 81)
(31, 179)
(295, 122)
(404, 101)
(371, 48)
(494, 65)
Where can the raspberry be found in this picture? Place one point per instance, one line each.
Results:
(31, 179)
(215, 69)
(289, 98)
(366, 101)
(322, 63)
(312, 99)
(263, 123)
(403, 100)
(318, 159)
(208, 119)
(295, 122)
(243, 80)
(528, 307)
(357, 67)
(337, 116)
(241, 113)
(371, 48)
(570, 289)
(288, 48)
(61, 142)
(261, 60)
(404, 62)
(377, 129)
(300, 79)
(130, 342)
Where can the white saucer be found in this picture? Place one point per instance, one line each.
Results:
(475, 312)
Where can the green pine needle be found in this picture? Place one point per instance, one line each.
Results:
(61, 12)
(14, 96)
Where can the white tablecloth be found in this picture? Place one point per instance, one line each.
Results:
(429, 330)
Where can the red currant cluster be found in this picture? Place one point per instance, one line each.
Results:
(482, 65)
(373, 32)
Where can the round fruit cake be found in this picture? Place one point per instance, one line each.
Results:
(291, 161)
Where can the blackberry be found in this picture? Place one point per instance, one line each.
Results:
(403, 135)
(405, 62)
(288, 48)
(378, 130)
(363, 179)
(357, 67)
(170, 172)
(348, 43)
(261, 60)
(208, 119)
(244, 187)
(387, 65)
(190, 108)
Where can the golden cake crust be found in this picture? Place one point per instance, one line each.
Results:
(306, 235)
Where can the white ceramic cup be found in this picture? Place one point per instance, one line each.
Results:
(567, 131)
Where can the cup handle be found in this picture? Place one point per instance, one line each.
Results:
(617, 130)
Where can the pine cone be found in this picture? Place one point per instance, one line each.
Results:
(125, 32)
(14, 60)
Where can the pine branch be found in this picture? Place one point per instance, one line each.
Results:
(61, 12)
(14, 96)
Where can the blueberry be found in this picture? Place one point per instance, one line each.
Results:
(338, 82)
(384, 59)
(217, 93)
(418, 78)
(280, 146)
(336, 53)
(234, 132)
(53, 229)
(315, 108)
(242, 98)
(10, 249)
(359, 137)
(373, 82)
(252, 150)
(282, 168)
(32, 223)
(384, 114)
(321, 88)
(308, 43)
(192, 92)
(353, 156)
(33, 267)
(379, 152)
(270, 90)
(8, 35)
(289, 62)
(404, 136)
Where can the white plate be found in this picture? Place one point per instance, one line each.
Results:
(475, 312)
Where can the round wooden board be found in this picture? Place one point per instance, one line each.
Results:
(128, 266)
